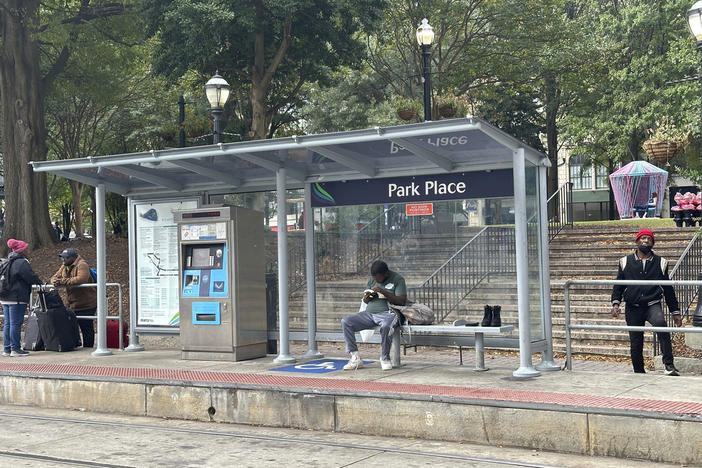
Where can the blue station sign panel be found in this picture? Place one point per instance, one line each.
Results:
(456, 186)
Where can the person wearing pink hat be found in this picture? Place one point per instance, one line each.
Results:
(643, 303)
(14, 300)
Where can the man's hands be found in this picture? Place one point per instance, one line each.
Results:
(60, 282)
(677, 318)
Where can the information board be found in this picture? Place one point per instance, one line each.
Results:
(157, 262)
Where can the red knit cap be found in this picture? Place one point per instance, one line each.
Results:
(645, 232)
(17, 246)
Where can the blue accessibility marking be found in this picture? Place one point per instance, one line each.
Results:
(321, 366)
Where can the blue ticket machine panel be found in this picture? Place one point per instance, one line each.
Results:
(205, 271)
(222, 283)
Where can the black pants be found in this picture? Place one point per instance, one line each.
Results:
(638, 316)
(86, 327)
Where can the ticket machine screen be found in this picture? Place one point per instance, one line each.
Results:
(205, 270)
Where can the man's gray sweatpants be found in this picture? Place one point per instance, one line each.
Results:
(364, 321)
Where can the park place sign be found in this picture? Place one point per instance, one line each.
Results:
(457, 186)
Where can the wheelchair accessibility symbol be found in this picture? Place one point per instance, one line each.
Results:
(317, 365)
(320, 366)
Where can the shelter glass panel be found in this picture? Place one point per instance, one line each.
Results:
(534, 248)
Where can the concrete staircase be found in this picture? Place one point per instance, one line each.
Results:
(583, 252)
(415, 258)
(592, 252)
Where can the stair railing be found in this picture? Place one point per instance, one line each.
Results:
(687, 268)
(559, 207)
(489, 252)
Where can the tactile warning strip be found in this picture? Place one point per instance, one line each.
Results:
(375, 387)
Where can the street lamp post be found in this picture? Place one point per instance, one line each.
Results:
(694, 22)
(217, 90)
(425, 36)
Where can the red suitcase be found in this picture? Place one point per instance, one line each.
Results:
(113, 334)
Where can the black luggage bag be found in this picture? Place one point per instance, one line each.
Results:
(58, 325)
(32, 337)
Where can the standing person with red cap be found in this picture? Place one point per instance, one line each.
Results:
(14, 300)
(643, 303)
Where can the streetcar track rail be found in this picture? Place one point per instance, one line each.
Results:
(293, 440)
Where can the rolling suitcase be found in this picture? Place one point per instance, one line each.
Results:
(32, 337)
(57, 325)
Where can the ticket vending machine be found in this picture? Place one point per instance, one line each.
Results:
(222, 283)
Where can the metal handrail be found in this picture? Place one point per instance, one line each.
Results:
(107, 317)
(688, 267)
(569, 327)
(445, 289)
(561, 205)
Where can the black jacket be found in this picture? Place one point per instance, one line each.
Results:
(631, 268)
(22, 277)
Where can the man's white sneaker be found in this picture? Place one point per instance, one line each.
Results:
(385, 364)
(354, 363)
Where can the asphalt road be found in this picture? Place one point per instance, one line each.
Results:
(33, 437)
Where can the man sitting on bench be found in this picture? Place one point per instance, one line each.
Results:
(383, 287)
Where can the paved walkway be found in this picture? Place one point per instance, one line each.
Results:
(436, 376)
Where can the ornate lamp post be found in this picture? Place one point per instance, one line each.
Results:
(425, 36)
(217, 90)
(694, 22)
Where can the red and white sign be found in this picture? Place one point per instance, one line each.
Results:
(419, 209)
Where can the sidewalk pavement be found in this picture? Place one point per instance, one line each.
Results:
(598, 408)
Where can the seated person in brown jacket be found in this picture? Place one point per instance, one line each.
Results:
(83, 301)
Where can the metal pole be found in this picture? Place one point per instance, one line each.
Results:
(284, 357)
(131, 230)
(426, 78)
(699, 48)
(101, 349)
(181, 121)
(312, 350)
(566, 298)
(217, 132)
(526, 368)
(547, 363)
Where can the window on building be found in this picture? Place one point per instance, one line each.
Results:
(580, 175)
(601, 176)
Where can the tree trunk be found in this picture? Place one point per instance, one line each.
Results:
(23, 128)
(259, 128)
(77, 195)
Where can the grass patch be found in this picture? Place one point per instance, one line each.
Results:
(639, 222)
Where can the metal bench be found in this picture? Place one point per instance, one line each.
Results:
(445, 335)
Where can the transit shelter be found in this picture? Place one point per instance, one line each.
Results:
(421, 178)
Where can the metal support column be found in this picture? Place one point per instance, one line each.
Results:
(131, 226)
(526, 368)
(101, 349)
(284, 357)
(312, 350)
(547, 363)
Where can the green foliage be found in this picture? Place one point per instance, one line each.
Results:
(665, 130)
(643, 45)
(209, 35)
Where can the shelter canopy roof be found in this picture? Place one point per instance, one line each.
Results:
(456, 145)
